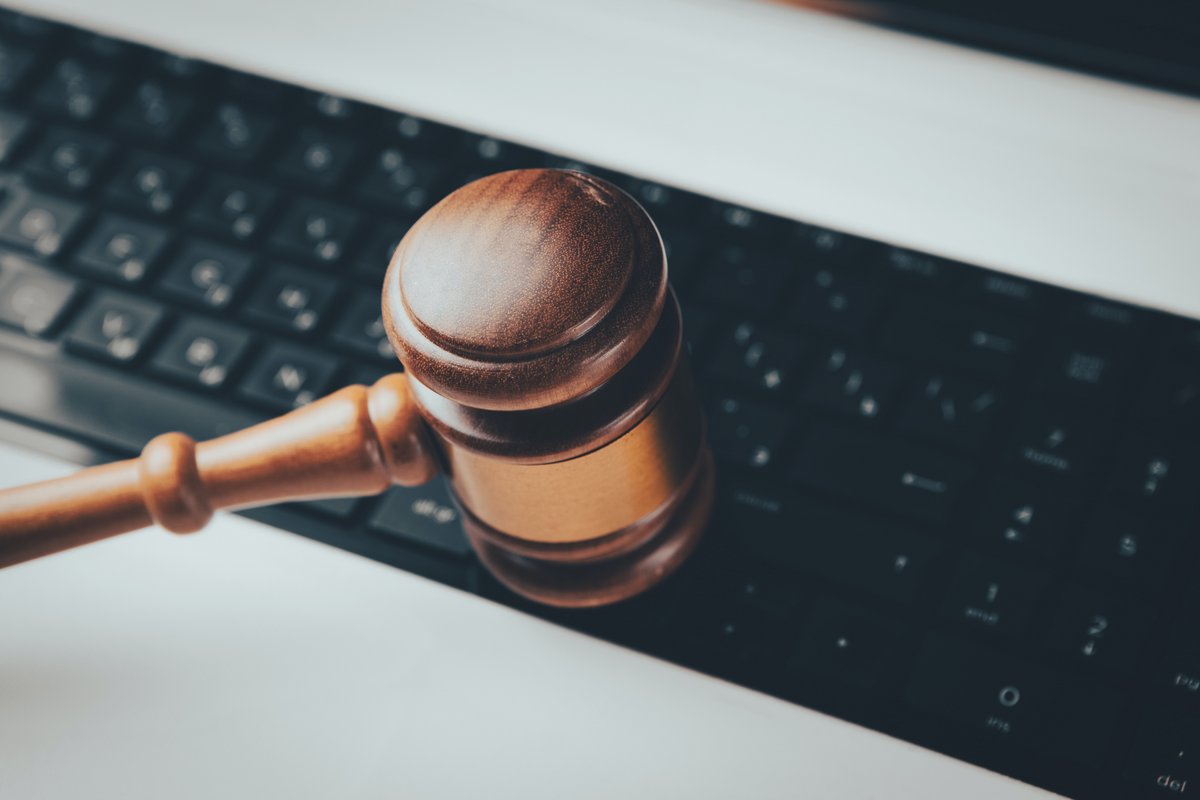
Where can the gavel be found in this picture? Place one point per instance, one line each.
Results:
(544, 374)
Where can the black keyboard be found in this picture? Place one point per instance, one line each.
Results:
(954, 506)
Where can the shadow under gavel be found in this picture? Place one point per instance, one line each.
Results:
(545, 375)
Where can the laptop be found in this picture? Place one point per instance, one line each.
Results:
(941, 305)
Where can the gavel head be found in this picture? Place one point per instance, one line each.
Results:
(544, 349)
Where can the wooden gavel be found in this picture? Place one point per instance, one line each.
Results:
(545, 375)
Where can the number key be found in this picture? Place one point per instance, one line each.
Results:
(1096, 631)
(991, 596)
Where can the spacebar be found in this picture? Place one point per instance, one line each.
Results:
(115, 410)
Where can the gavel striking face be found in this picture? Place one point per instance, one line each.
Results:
(545, 375)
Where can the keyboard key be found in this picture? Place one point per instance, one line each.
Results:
(339, 110)
(67, 160)
(916, 270)
(1082, 722)
(950, 412)
(419, 135)
(113, 52)
(825, 246)
(360, 329)
(232, 207)
(854, 550)
(486, 154)
(1165, 755)
(14, 131)
(661, 202)
(75, 89)
(747, 433)
(376, 256)
(285, 377)
(402, 182)
(1095, 631)
(33, 299)
(34, 30)
(121, 249)
(1010, 701)
(423, 515)
(846, 644)
(187, 72)
(984, 691)
(234, 134)
(1021, 522)
(1086, 373)
(206, 275)
(852, 385)
(1123, 547)
(260, 92)
(1170, 399)
(1058, 442)
(150, 184)
(1158, 473)
(16, 64)
(317, 158)
(956, 335)
(746, 280)
(1179, 679)
(290, 300)
(837, 300)
(1004, 292)
(40, 223)
(738, 222)
(757, 361)
(115, 327)
(340, 508)
(992, 597)
(201, 353)
(734, 631)
(315, 231)
(155, 111)
(880, 472)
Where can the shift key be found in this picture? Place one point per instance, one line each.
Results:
(877, 471)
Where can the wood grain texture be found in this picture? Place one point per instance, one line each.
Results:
(356, 441)
(525, 289)
(544, 353)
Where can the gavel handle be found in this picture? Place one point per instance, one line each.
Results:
(357, 441)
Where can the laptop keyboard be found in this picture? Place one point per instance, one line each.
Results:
(954, 506)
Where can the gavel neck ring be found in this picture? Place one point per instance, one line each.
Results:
(565, 431)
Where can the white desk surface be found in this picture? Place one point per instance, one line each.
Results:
(248, 663)
(244, 662)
